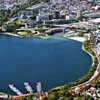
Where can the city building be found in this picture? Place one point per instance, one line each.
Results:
(7, 4)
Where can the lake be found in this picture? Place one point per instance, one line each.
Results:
(54, 62)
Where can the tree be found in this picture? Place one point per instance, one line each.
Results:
(52, 97)
(18, 23)
(89, 97)
(10, 27)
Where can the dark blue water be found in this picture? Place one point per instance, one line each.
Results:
(54, 62)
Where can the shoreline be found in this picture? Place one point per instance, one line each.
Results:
(79, 39)
(11, 34)
(16, 35)
(82, 40)
(95, 73)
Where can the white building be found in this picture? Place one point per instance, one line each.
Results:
(6, 4)
(56, 1)
(42, 17)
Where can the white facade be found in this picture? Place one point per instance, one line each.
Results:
(56, 1)
(6, 4)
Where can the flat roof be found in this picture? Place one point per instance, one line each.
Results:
(35, 6)
(97, 20)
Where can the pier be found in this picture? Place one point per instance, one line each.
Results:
(14, 89)
(28, 87)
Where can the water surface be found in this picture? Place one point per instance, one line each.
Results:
(54, 62)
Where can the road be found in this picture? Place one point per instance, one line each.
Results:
(83, 24)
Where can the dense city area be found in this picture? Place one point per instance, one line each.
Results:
(73, 19)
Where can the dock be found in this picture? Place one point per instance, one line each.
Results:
(14, 89)
(28, 87)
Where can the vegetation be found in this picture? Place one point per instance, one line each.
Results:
(52, 97)
(19, 23)
(9, 27)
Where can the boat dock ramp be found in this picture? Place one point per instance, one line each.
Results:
(27, 87)
(14, 89)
